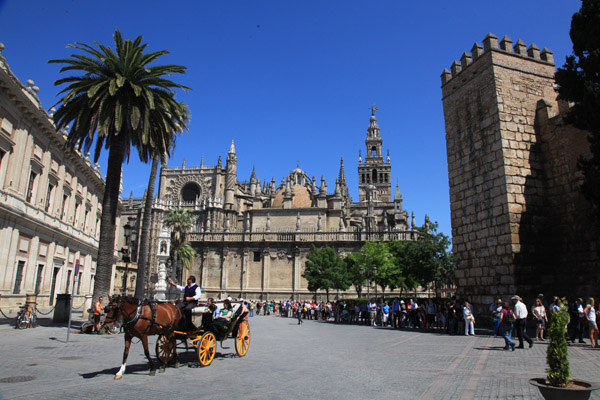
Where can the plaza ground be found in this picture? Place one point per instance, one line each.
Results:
(316, 360)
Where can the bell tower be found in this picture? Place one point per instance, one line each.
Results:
(375, 170)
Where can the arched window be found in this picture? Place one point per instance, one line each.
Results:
(374, 151)
(190, 192)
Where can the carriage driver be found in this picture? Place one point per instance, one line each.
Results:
(191, 293)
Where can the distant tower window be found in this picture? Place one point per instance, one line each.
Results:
(256, 256)
(363, 178)
(374, 176)
(190, 192)
(373, 151)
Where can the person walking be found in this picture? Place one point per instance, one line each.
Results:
(299, 314)
(520, 311)
(539, 312)
(590, 316)
(577, 318)
(507, 319)
(469, 319)
(495, 309)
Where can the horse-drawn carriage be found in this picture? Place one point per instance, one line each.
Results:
(204, 339)
(143, 318)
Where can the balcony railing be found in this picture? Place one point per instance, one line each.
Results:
(357, 236)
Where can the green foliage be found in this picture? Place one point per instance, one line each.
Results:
(355, 273)
(187, 254)
(120, 98)
(179, 221)
(429, 259)
(579, 82)
(403, 274)
(557, 354)
(326, 270)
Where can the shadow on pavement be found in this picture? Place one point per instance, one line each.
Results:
(138, 369)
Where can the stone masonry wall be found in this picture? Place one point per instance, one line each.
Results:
(490, 99)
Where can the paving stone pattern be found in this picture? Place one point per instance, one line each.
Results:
(313, 361)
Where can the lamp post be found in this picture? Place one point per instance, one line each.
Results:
(126, 257)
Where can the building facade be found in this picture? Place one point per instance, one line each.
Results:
(519, 222)
(252, 237)
(50, 202)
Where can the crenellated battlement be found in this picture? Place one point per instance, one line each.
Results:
(491, 44)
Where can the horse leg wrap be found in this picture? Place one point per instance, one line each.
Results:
(119, 374)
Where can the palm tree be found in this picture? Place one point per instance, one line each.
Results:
(140, 284)
(179, 221)
(120, 101)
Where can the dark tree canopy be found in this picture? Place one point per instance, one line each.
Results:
(579, 82)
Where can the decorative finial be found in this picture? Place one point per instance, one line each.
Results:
(373, 109)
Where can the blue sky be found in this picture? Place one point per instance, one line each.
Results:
(292, 81)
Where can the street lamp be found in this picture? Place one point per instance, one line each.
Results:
(126, 256)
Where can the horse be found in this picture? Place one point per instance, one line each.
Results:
(141, 319)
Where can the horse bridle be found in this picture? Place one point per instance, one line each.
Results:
(117, 306)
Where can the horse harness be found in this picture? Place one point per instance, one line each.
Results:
(138, 316)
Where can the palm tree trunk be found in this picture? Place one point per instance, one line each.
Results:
(108, 224)
(140, 283)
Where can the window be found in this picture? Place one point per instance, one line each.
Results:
(76, 215)
(30, 186)
(374, 176)
(19, 277)
(38, 278)
(363, 178)
(373, 151)
(256, 256)
(49, 194)
(68, 285)
(65, 206)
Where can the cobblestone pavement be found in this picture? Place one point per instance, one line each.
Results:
(315, 360)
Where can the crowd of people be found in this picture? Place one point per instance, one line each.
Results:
(452, 316)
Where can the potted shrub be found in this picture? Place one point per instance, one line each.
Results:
(557, 384)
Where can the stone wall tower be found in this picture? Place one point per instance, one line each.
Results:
(374, 171)
(495, 168)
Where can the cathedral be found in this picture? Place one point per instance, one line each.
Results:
(252, 237)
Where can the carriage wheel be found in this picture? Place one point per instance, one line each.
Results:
(164, 349)
(207, 347)
(242, 340)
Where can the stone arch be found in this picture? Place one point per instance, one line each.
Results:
(190, 192)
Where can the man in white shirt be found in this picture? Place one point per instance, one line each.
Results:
(191, 294)
(520, 311)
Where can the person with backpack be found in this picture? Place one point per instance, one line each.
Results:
(507, 320)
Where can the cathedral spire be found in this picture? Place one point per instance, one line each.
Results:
(232, 148)
(342, 175)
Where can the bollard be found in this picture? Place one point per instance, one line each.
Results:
(86, 306)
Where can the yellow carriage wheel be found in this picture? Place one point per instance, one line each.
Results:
(207, 347)
(242, 340)
(164, 349)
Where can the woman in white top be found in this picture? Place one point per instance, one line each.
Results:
(590, 316)
(539, 312)
(469, 319)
